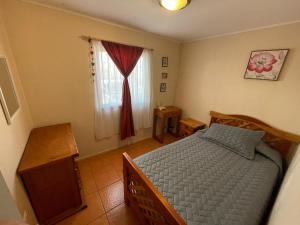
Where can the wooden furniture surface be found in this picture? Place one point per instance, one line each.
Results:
(189, 126)
(149, 204)
(50, 174)
(48, 144)
(164, 115)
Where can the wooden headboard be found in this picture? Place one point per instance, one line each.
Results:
(275, 138)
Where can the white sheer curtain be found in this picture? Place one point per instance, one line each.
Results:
(108, 93)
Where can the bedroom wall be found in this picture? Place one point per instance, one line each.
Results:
(13, 139)
(54, 65)
(211, 78)
(212, 71)
(286, 208)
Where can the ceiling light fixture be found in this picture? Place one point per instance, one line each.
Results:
(174, 5)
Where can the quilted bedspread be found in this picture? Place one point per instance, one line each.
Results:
(210, 185)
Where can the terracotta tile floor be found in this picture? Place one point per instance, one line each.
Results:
(102, 182)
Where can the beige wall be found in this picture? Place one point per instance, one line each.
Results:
(53, 63)
(211, 78)
(286, 209)
(54, 70)
(14, 137)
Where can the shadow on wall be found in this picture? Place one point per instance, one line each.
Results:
(8, 208)
(22, 202)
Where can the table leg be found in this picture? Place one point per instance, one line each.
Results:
(154, 126)
(162, 129)
(177, 125)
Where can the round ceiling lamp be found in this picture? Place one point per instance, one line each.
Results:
(174, 5)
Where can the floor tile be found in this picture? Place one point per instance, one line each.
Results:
(120, 174)
(105, 177)
(112, 195)
(100, 221)
(89, 185)
(102, 177)
(88, 215)
(122, 215)
(85, 170)
(100, 163)
(84, 163)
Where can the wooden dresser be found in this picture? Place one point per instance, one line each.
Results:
(50, 174)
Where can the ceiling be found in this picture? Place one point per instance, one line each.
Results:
(201, 19)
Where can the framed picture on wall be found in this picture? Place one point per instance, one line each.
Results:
(8, 94)
(163, 87)
(164, 62)
(164, 75)
(265, 64)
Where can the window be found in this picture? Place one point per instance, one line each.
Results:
(110, 81)
(108, 91)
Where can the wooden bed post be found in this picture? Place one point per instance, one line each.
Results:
(125, 182)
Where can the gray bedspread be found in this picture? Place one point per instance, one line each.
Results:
(210, 185)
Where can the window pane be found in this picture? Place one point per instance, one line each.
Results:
(110, 80)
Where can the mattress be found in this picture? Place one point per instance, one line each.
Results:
(208, 184)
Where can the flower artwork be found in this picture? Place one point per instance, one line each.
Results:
(265, 65)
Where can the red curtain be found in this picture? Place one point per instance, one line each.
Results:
(125, 58)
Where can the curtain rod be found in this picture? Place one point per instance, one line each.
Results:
(87, 38)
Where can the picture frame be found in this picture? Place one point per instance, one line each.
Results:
(164, 75)
(266, 64)
(163, 87)
(164, 61)
(8, 95)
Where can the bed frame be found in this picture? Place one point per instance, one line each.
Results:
(152, 208)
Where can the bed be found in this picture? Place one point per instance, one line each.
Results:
(195, 181)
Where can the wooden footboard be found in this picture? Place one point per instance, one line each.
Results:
(149, 205)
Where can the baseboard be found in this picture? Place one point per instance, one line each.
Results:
(112, 148)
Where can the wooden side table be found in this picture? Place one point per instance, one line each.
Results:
(164, 115)
(189, 126)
